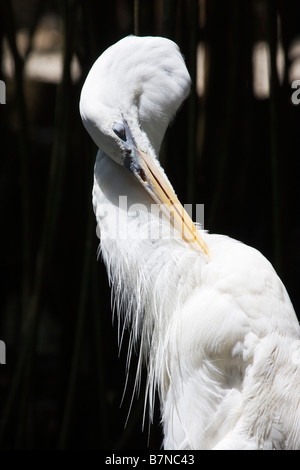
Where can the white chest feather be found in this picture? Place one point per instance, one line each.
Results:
(217, 336)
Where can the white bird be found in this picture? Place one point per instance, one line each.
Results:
(212, 319)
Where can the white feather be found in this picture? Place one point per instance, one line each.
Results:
(218, 335)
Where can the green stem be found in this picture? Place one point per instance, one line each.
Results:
(273, 109)
(60, 153)
(76, 355)
(137, 17)
(192, 109)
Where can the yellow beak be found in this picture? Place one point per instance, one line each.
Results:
(157, 186)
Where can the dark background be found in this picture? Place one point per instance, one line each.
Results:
(238, 154)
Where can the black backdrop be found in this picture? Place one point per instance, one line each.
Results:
(238, 154)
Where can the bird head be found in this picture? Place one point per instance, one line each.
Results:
(130, 95)
(142, 80)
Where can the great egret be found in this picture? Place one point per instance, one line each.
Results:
(214, 322)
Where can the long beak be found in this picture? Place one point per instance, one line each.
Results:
(157, 186)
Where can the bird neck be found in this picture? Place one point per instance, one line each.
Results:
(146, 265)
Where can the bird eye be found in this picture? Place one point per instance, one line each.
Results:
(119, 130)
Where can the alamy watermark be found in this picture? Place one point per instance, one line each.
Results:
(2, 352)
(136, 221)
(296, 352)
(296, 94)
(2, 92)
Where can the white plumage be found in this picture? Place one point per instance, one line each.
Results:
(214, 322)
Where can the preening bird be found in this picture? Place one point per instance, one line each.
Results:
(213, 322)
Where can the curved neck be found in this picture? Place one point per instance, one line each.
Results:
(145, 265)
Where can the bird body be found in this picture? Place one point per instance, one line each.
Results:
(214, 322)
(236, 380)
